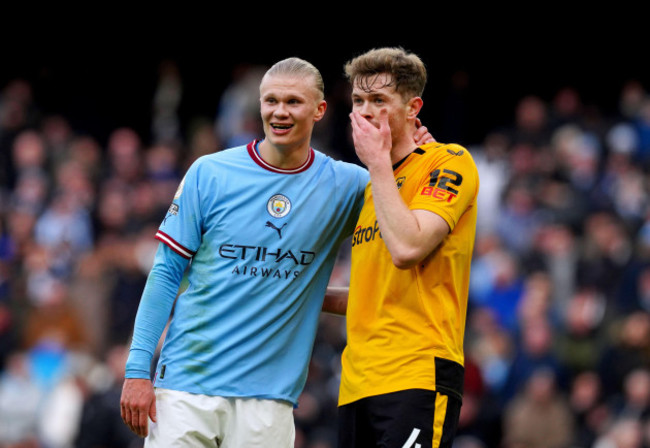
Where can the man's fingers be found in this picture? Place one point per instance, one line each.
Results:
(143, 423)
(358, 122)
(132, 420)
(152, 412)
(384, 126)
(422, 136)
(138, 403)
(126, 415)
(383, 119)
(137, 419)
(360, 126)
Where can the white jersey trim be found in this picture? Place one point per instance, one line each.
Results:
(174, 245)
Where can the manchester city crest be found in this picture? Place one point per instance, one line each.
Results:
(278, 206)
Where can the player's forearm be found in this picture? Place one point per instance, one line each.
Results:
(154, 310)
(151, 319)
(336, 300)
(399, 226)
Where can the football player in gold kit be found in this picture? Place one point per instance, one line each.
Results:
(402, 368)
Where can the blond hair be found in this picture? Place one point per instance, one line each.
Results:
(300, 68)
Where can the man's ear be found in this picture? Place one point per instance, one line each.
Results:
(414, 106)
(321, 108)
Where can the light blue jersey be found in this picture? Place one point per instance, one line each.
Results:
(262, 243)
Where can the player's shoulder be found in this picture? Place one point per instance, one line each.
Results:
(227, 153)
(215, 159)
(340, 166)
(447, 152)
(453, 149)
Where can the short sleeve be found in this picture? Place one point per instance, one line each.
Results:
(451, 186)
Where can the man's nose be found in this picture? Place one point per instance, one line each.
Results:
(280, 109)
(364, 109)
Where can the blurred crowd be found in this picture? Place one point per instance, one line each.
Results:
(558, 330)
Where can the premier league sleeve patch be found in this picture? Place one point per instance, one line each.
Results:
(181, 228)
(179, 190)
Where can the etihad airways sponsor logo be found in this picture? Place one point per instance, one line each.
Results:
(263, 254)
(264, 262)
(261, 271)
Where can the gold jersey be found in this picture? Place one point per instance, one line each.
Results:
(405, 327)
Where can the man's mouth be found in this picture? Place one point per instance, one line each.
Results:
(281, 127)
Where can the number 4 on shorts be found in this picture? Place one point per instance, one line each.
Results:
(410, 443)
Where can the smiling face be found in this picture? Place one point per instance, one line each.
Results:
(290, 106)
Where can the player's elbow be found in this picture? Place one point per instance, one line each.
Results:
(404, 264)
(406, 258)
(408, 251)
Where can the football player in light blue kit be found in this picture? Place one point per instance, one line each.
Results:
(259, 226)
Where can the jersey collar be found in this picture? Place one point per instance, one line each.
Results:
(255, 155)
(418, 150)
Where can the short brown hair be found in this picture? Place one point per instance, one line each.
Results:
(407, 71)
(298, 67)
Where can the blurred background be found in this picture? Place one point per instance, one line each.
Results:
(98, 126)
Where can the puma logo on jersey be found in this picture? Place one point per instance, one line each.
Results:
(279, 230)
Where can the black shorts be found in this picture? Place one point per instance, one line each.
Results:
(413, 418)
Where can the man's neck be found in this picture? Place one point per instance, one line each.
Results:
(283, 157)
(403, 146)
